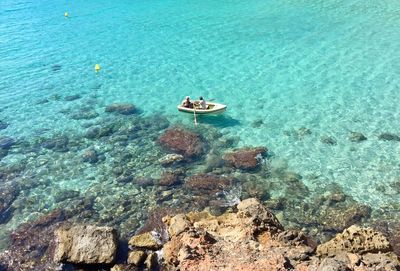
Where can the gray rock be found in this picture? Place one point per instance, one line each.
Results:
(90, 156)
(356, 137)
(389, 137)
(3, 125)
(331, 264)
(6, 142)
(330, 140)
(86, 245)
(121, 108)
(72, 97)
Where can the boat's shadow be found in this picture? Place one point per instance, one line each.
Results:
(220, 121)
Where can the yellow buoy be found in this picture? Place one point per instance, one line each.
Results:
(97, 67)
(66, 14)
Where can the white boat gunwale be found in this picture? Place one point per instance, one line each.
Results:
(216, 108)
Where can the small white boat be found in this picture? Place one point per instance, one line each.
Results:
(212, 108)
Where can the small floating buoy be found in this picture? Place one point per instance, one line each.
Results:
(66, 14)
(97, 67)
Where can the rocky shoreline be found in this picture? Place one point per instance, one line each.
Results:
(246, 237)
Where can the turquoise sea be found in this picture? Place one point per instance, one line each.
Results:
(298, 78)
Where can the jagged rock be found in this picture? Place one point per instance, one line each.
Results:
(91, 156)
(204, 184)
(86, 245)
(356, 137)
(332, 264)
(136, 257)
(260, 216)
(121, 108)
(337, 220)
(389, 137)
(171, 159)
(6, 142)
(355, 240)
(151, 261)
(145, 241)
(246, 158)
(170, 178)
(183, 142)
(178, 224)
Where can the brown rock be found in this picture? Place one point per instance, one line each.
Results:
(124, 267)
(178, 224)
(169, 179)
(136, 257)
(246, 158)
(181, 141)
(151, 261)
(355, 240)
(86, 245)
(260, 216)
(207, 183)
(145, 241)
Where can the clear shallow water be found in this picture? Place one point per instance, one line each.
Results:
(329, 66)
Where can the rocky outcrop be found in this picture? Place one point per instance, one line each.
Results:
(253, 239)
(146, 240)
(355, 240)
(121, 108)
(183, 142)
(86, 245)
(246, 158)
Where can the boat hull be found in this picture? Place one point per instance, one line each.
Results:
(214, 108)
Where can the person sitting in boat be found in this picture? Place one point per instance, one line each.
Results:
(203, 104)
(187, 103)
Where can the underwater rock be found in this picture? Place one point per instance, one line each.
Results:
(99, 131)
(356, 240)
(3, 125)
(42, 101)
(246, 158)
(91, 156)
(61, 195)
(144, 182)
(257, 123)
(204, 184)
(58, 143)
(337, 219)
(56, 67)
(298, 134)
(32, 244)
(72, 97)
(84, 114)
(329, 140)
(356, 137)
(6, 142)
(181, 141)
(170, 178)
(145, 241)
(8, 194)
(121, 108)
(170, 159)
(86, 245)
(389, 137)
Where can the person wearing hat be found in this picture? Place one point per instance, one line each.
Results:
(187, 103)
